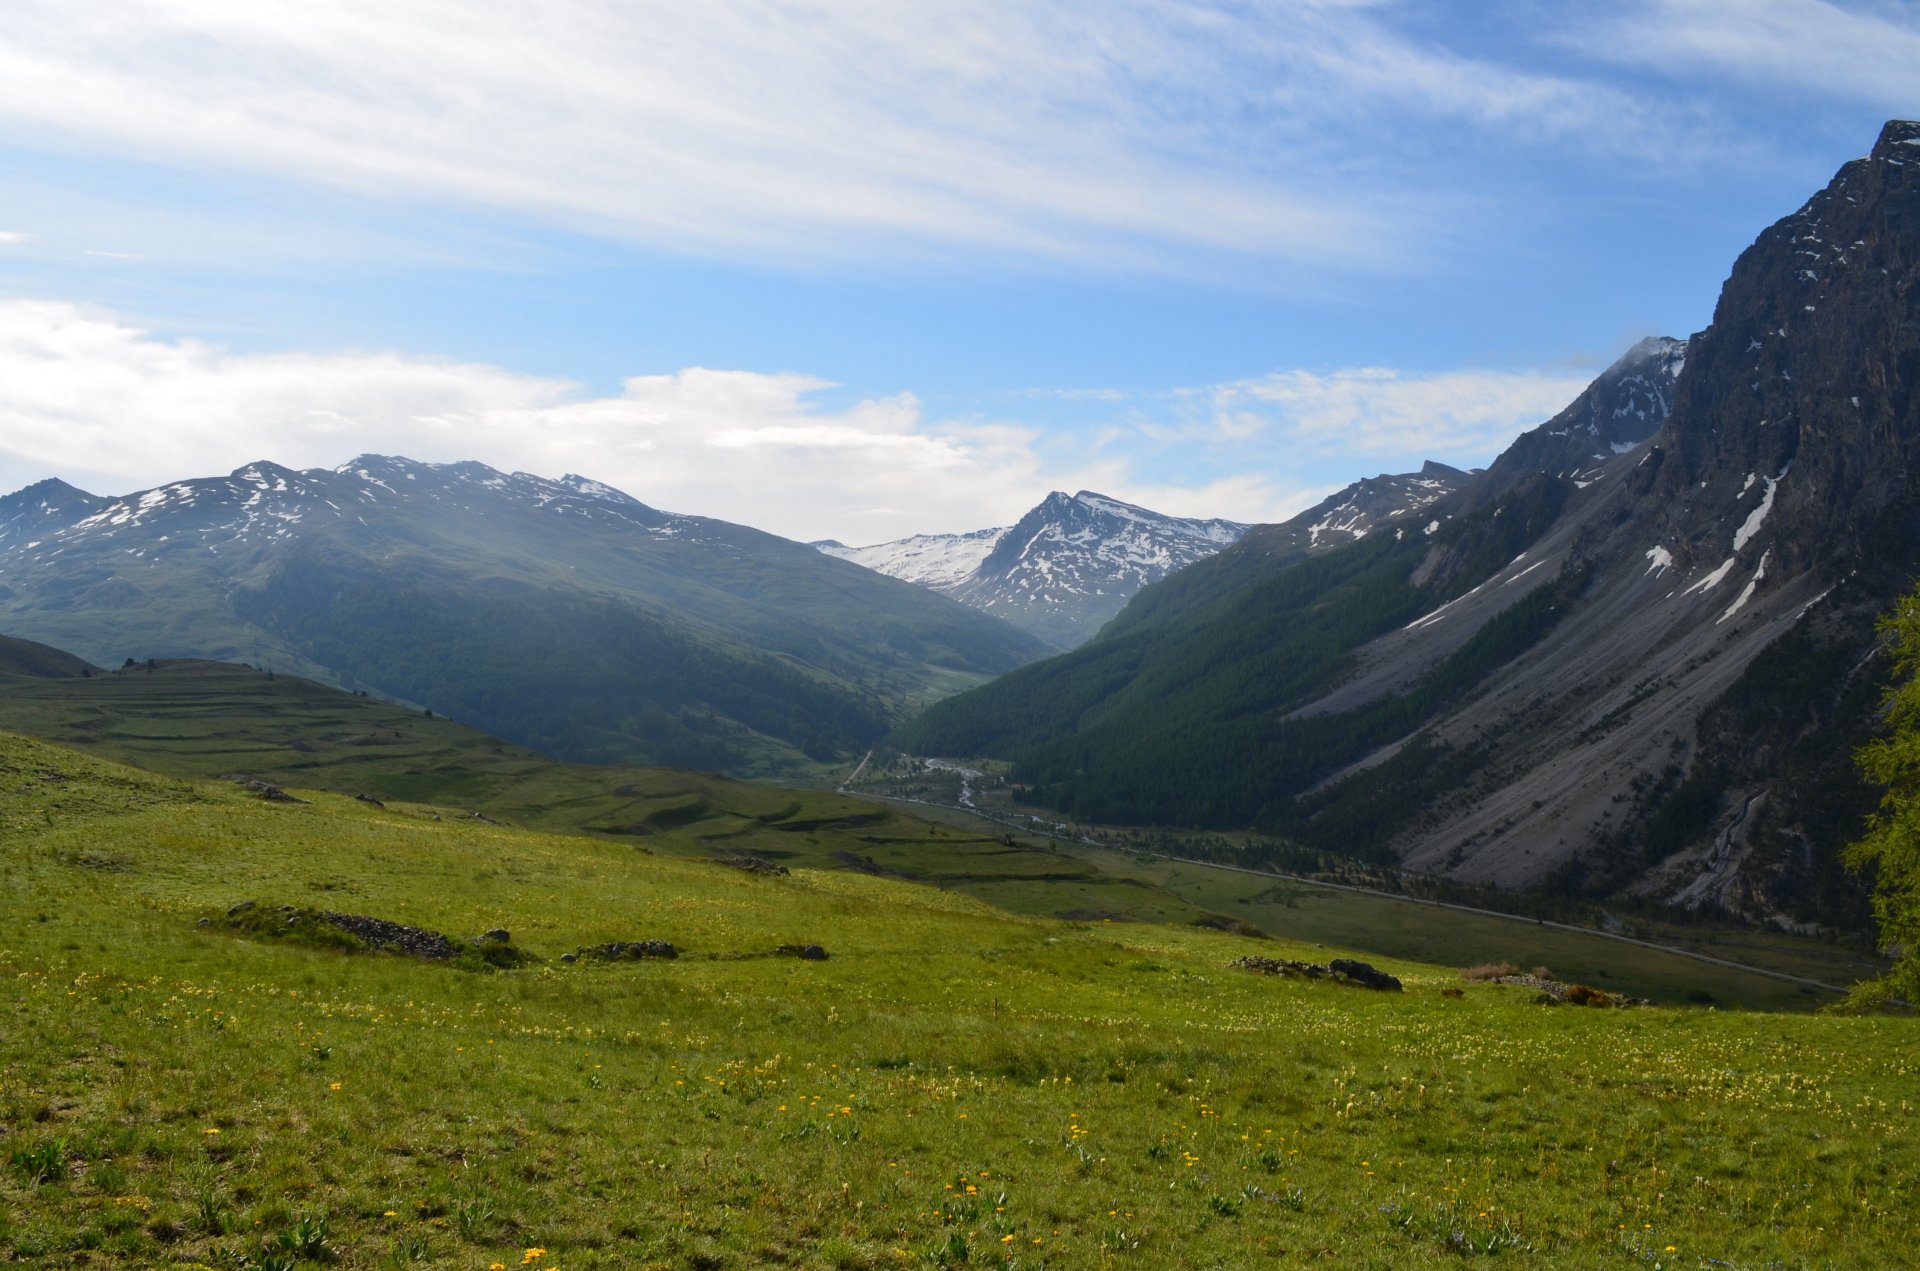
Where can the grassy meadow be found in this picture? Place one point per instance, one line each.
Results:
(956, 1085)
(201, 719)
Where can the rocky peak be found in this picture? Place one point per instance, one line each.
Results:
(1623, 407)
(1801, 392)
(1895, 134)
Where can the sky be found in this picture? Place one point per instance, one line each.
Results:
(861, 269)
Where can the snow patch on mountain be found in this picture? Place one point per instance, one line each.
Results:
(1757, 517)
(1064, 569)
(939, 561)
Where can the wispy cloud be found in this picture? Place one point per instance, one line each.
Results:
(1463, 417)
(1355, 415)
(1859, 52)
(84, 392)
(11, 238)
(1128, 132)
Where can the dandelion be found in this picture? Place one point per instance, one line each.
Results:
(333, 1085)
(212, 1129)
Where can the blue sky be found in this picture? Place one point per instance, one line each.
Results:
(862, 269)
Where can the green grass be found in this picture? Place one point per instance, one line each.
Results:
(204, 719)
(956, 1085)
(1398, 928)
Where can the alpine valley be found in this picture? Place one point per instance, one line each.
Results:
(1634, 656)
(1631, 657)
(415, 863)
(563, 615)
(1074, 561)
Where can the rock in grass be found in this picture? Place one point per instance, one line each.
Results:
(1364, 975)
(752, 865)
(1279, 966)
(1342, 971)
(810, 952)
(628, 950)
(353, 933)
(265, 789)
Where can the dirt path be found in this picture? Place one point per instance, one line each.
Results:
(846, 787)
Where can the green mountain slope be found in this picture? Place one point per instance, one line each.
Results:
(39, 661)
(561, 614)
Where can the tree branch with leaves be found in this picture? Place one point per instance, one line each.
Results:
(1891, 847)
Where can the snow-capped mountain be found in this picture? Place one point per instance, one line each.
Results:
(1074, 561)
(939, 561)
(1068, 565)
(562, 614)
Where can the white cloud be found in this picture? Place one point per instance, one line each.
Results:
(10, 238)
(1462, 417)
(82, 392)
(1115, 131)
(1862, 53)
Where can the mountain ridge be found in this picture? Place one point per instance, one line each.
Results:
(564, 614)
(1071, 564)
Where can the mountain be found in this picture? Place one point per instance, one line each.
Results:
(939, 561)
(44, 505)
(1637, 673)
(1351, 514)
(1068, 566)
(1616, 413)
(1073, 562)
(563, 615)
